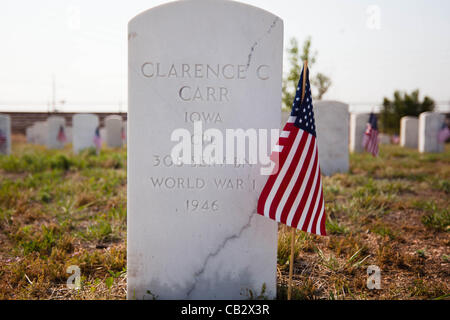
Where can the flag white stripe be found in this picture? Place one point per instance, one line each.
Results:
(284, 134)
(282, 173)
(294, 178)
(277, 148)
(291, 119)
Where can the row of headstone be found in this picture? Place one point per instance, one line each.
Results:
(85, 132)
(421, 133)
(334, 139)
(47, 132)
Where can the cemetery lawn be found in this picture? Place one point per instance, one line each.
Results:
(58, 210)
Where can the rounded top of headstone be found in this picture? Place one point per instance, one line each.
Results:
(330, 104)
(360, 114)
(84, 115)
(408, 117)
(194, 4)
(113, 117)
(430, 114)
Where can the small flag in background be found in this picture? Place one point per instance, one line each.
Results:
(370, 139)
(62, 135)
(293, 194)
(123, 134)
(444, 133)
(97, 139)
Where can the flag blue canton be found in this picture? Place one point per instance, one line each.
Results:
(303, 110)
(373, 121)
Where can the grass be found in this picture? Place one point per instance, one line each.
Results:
(59, 210)
(391, 211)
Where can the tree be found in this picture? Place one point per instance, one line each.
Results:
(403, 104)
(320, 82)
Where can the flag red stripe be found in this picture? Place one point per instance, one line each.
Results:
(323, 219)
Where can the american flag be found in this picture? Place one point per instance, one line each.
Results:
(61, 135)
(124, 137)
(370, 139)
(293, 193)
(444, 133)
(98, 139)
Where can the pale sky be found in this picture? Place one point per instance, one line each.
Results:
(84, 45)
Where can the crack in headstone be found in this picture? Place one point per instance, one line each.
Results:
(216, 252)
(252, 49)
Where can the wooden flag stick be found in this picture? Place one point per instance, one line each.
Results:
(291, 261)
(291, 264)
(305, 67)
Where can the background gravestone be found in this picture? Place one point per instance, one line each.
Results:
(113, 127)
(189, 235)
(29, 134)
(41, 132)
(332, 123)
(5, 134)
(430, 123)
(103, 133)
(33, 135)
(358, 125)
(409, 132)
(83, 131)
(54, 125)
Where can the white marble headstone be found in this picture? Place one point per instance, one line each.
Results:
(41, 132)
(84, 126)
(29, 134)
(409, 132)
(430, 123)
(5, 134)
(32, 134)
(190, 236)
(113, 126)
(56, 124)
(358, 124)
(332, 123)
(103, 133)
